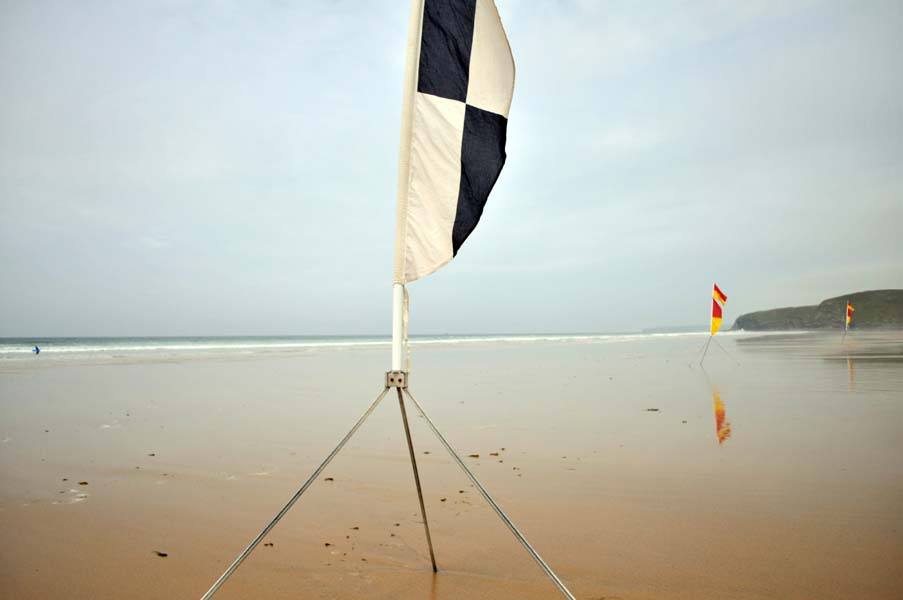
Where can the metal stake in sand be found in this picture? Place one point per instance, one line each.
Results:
(244, 554)
(846, 322)
(498, 510)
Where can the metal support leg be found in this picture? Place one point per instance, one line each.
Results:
(731, 356)
(520, 537)
(291, 502)
(407, 432)
(706, 349)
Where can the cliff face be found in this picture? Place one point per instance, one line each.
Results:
(874, 309)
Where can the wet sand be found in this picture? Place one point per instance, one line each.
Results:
(608, 458)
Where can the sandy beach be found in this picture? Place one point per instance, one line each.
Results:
(605, 452)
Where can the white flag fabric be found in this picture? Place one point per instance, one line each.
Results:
(460, 79)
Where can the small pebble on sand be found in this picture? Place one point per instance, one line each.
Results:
(161, 554)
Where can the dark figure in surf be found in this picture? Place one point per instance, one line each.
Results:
(36, 350)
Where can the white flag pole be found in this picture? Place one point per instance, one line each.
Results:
(412, 59)
(397, 326)
(398, 377)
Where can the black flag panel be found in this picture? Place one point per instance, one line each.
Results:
(459, 119)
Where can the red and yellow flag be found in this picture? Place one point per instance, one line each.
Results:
(717, 297)
(850, 310)
(716, 317)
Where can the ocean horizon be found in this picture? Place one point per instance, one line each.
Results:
(12, 348)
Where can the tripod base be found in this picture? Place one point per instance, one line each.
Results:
(399, 381)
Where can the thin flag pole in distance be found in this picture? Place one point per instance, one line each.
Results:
(846, 322)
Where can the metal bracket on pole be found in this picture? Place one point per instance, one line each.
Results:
(397, 379)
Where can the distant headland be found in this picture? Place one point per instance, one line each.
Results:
(874, 309)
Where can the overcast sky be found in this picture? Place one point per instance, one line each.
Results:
(206, 168)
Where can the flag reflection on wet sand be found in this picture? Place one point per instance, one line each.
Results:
(722, 425)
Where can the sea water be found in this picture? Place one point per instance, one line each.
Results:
(186, 346)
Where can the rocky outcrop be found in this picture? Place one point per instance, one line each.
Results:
(875, 309)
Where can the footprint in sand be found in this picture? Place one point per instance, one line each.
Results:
(73, 496)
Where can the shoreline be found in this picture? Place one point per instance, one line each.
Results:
(86, 349)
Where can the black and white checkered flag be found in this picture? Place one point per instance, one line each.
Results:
(460, 78)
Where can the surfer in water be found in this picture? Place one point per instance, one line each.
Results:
(36, 350)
